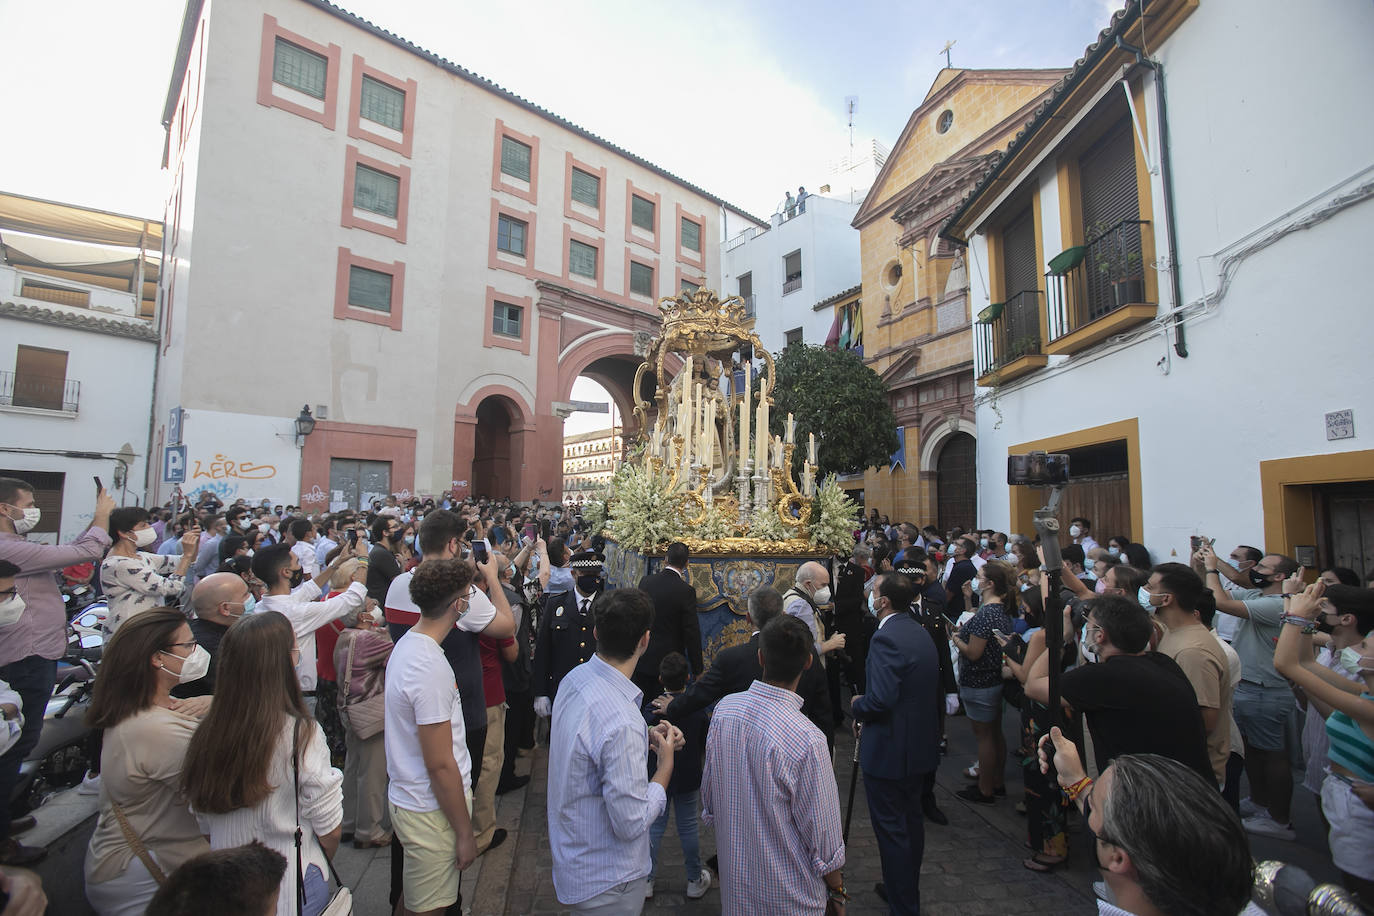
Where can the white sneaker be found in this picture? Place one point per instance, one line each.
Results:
(648, 888)
(1248, 808)
(698, 888)
(1265, 825)
(972, 772)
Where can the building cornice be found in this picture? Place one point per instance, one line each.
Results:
(91, 323)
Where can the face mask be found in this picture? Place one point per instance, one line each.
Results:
(873, 604)
(28, 521)
(1025, 586)
(245, 524)
(588, 584)
(1114, 551)
(193, 666)
(1089, 648)
(821, 595)
(395, 537)
(1257, 579)
(1143, 596)
(297, 577)
(512, 571)
(983, 542)
(265, 528)
(1075, 531)
(248, 606)
(144, 537)
(249, 553)
(1322, 625)
(10, 611)
(1354, 662)
(410, 540)
(1101, 586)
(377, 616)
(1089, 574)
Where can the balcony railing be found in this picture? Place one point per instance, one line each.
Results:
(1006, 332)
(1089, 282)
(749, 303)
(39, 392)
(792, 285)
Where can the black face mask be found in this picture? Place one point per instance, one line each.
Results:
(396, 536)
(588, 585)
(297, 577)
(1257, 579)
(1323, 626)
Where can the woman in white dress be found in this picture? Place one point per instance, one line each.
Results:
(238, 773)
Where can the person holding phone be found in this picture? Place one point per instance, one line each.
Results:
(136, 580)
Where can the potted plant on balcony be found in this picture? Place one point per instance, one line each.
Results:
(1117, 264)
(1023, 346)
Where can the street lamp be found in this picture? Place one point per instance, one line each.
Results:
(305, 425)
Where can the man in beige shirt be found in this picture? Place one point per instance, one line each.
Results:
(1183, 604)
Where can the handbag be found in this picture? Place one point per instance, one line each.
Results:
(367, 717)
(341, 904)
(137, 846)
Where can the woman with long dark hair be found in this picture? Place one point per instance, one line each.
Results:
(258, 742)
(144, 830)
(980, 678)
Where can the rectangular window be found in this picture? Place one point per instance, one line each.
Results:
(510, 235)
(515, 159)
(299, 69)
(794, 336)
(369, 289)
(791, 273)
(641, 279)
(505, 319)
(386, 105)
(586, 189)
(642, 213)
(40, 378)
(689, 287)
(582, 259)
(691, 235)
(376, 191)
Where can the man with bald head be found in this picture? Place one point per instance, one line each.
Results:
(803, 601)
(218, 600)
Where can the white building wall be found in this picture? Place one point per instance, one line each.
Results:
(116, 376)
(830, 264)
(1253, 150)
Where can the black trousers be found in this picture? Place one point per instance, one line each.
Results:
(33, 679)
(894, 805)
(519, 730)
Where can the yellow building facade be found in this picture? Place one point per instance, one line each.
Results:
(915, 313)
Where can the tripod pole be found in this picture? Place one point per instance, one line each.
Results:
(853, 781)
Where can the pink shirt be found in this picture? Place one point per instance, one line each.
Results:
(42, 628)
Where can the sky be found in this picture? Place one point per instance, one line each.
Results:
(746, 100)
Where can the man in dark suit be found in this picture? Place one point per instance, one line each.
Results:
(735, 668)
(675, 627)
(900, 738)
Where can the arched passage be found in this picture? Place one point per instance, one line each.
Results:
(491, 440)
(956, 482)
(493, 473)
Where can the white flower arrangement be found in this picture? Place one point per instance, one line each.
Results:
(647, 507)
(715, 525)
(766, 526)
(594, 515)
(832, 513)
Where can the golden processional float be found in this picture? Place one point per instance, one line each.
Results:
(707, 471)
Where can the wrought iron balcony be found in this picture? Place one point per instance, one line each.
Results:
(1089, 283)
(39, 392)
(792, 284)
(1006, 340)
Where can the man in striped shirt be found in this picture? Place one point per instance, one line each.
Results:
(601, 802)
(769, 789)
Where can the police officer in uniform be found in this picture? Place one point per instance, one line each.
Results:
(931, 616)
(565, 637)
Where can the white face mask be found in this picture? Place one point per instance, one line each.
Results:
(28, 521)
(10, 610)
(821, 595)
(144, 537)
(377, 616)
(1075, 531)
(193, 667)
(265, 528)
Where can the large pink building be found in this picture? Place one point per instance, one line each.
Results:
(424, 259)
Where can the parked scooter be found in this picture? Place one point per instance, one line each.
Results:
(66, 748)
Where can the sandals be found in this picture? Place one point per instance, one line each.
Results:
(1038, 863)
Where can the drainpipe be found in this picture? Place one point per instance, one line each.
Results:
(1180, 341)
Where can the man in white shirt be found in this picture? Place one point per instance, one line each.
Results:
(327, 541)
(1080, 529)
(427, 756)
(292, 595)
(303, 533)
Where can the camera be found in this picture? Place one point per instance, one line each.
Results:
(1037, 469)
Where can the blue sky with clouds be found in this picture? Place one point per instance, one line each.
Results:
(744, 99)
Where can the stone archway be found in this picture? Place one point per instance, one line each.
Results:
(491, 438)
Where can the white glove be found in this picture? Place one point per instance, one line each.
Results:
(951, 703)
(542, 707)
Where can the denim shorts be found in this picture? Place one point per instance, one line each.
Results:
(982, 704)
(1263, 714)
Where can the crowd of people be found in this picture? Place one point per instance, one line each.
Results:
(276, 683)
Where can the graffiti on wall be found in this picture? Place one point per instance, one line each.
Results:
(223, 468)
(315, 496)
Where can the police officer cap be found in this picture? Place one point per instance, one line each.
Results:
(587, 561)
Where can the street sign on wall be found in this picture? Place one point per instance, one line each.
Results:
(174, 464)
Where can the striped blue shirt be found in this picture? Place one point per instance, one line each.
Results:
(601, 803)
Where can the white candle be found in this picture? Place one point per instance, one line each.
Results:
(744, 413)
(777, 451)
(811, 448)
(762, 434)
(697, 408)
(791, 429)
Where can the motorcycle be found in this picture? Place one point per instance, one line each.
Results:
(67, 746)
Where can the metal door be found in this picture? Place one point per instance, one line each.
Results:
(956, 483)
(355, 484)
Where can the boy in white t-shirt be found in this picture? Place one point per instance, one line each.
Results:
(426, 747)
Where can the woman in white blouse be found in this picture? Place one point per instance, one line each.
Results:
(239, 768)
(136, 580)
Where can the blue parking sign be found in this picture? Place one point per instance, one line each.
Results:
(174, 464)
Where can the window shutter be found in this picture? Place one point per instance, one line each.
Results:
(1018, 254)
(586, 189)
(386, 105)
(641, 279)
(369, 289)
(582, 259)
(302, 70)
(642, 213)
(376, 191)
(691, 235)
(1107, 173)
(515, 159)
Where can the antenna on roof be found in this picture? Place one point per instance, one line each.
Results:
(945, 51)
(851, 105)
